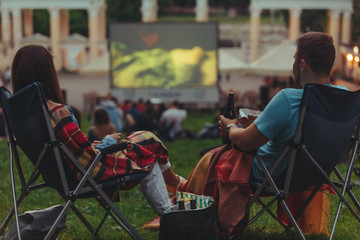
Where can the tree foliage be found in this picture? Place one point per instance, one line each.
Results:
(78, 21)
(41, 21)
(123, 11)
(314, 20)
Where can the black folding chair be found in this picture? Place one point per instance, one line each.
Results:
(28, 126)
(326, 129)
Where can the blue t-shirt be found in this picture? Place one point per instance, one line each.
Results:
(278, 123)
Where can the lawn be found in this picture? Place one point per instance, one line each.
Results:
(184, 154)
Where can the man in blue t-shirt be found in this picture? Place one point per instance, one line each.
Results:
(272, 130)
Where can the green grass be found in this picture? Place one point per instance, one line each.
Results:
(184, 154)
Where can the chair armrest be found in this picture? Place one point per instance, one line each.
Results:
(114, 148)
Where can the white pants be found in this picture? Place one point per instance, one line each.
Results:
(154, 189)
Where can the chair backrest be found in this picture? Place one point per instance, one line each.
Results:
(28, 119)
(331, 116)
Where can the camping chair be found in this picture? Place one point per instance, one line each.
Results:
(29, 127)
(327, 127)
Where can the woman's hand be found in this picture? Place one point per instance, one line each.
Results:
(223, 122)
(116, 136)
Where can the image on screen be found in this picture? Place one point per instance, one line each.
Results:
(163, 55)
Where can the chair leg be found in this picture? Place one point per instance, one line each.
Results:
(34, 176)
(266, 208)
(354, 199)
(6, 221)
(304, 206)
(107, 210)
(346, 183)
(124, 223)
(68, 204)
(119, 219)
(83, 220)
(102, 221)
(335, 220)
(292, 220)
(107, 213)
(15, 202)
(348, 190)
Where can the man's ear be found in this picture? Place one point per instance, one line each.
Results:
(303, 65)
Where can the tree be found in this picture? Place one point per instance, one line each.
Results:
(78, 22)
(314, 20)
(123, 11)
(41, 21)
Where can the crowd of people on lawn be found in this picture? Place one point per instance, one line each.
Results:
(164, 120)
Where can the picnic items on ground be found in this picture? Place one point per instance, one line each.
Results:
(199, 223)
(35, 224)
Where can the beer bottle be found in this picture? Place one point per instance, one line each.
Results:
(230, 114)
(181, 205)
(192, 204)
(174, 200)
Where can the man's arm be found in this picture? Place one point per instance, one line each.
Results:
(247, 139)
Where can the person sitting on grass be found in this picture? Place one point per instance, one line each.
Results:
(102, 125)
(145, 152)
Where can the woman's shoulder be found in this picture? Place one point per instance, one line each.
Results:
(58, 108)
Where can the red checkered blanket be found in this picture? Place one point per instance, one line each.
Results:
(143, 150)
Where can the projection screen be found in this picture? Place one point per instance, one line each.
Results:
(164, 60)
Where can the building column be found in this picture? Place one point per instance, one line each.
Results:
(334, 28)
(295, 24)
(254, 33)
(55, 36)
(28, 22)
(5, 27)
(64, 33)
(6, 35)
(202, 11)
(149, 10)
(64, 24)
(102, 23)
(17, 28)
(3, 63)
(346, 27)
(93, 33)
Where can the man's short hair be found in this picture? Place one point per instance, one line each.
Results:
(175, 103)
(318, 50)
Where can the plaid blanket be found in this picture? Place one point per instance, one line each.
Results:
(144, 148)
(223, 173)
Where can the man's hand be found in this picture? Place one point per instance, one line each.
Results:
(248, 139)
(245, 122)
(223, 122)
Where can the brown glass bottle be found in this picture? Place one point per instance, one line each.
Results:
(192, 204)
(181, 205)
(174, 200)
(230, 114)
